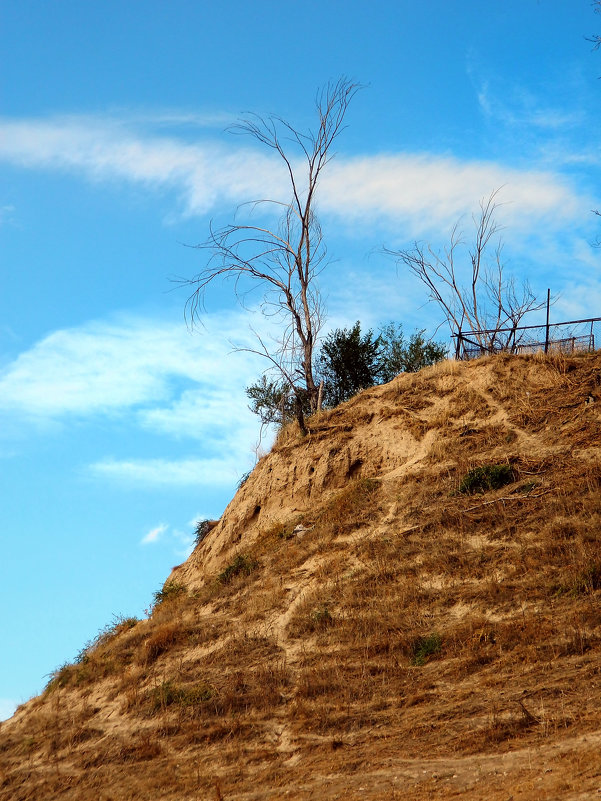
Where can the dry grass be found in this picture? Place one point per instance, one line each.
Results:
(410, 641)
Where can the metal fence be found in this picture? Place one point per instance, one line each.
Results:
(569, 337)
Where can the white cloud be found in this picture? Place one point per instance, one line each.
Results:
(180, 541)
(578, 301)
(88, 370)
(422, 191)
(425, 192)
(154, 534)
(164, 473)
(180, 118)
(106, 367)
(156, 375)
(106, 149)
(205, 414)
(7, 708)
(525, 110)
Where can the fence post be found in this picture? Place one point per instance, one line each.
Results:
(547, 328)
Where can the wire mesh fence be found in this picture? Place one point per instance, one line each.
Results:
(568, 337)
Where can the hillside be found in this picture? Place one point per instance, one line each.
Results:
(373, 617)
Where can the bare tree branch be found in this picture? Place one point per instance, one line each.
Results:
(596, 38)
(487, 304)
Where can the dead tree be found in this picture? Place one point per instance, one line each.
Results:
(282, 263)
(596, 38)
(473, 293)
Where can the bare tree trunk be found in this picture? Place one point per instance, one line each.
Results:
(300, 415)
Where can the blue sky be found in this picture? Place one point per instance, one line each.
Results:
(119, 427)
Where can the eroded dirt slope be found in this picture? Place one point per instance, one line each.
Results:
(358, 626)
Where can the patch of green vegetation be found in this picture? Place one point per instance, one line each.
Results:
(527, 488)
(169, 694)
(200, 531)
(83, 667)
(117, 626)
(585, 582)
(425, 647)
(241, 566)
(323, 617)
(169, 592)
(489, 477)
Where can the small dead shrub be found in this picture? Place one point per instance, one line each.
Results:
(164, 638)
(61, 676)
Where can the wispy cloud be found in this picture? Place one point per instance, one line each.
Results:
(523, 109)
(131, 363)
(426, 192)
(7, 708)
(218, 471)
(203, 414)
(180, 540)
(154, 534)
(175, 118)
(106, 149)
(157, 375)
(421, 191)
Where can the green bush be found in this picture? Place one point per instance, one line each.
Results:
(489, 477)
(399, 356)
(169, 694)
(348, 362)
(425, 647)
(323, 617)
(241, 566)
(201, 530)
(169, 592)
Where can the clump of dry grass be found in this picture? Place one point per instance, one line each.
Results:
(162, 639)
(107, 653)
(246, 675)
